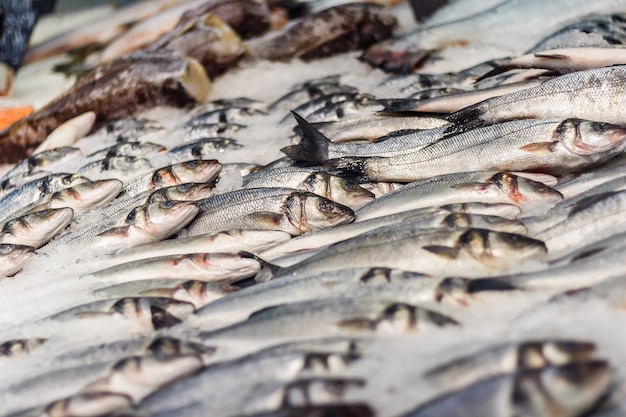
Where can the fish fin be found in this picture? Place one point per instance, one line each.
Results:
(549, 56)
(489, 284)
(162, 319)
(443, 251)
(542, 148)
(352, 166)
(399, 104)
(587, 202)
(469, 118)
(313, 146)
(496, 71)
(358, 323)
(395, 134)
(271, 269)
(587, 254)
(266, 310)
(262, 220)
(116, 231)
(379, 55)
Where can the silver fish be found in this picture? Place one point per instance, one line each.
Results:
(227, 115)
(136, 149)
(598, 96)
(43, 160)
(210, 130)
(222, 267)
(37, 228)
(554, 147)
(485, 187)
(309, 92)
(127, 164)
(197, 170)
(202, 148)
(437, 252)
(285, 209)
(334, 188)
(13, 257)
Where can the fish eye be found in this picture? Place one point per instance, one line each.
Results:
(350, 185)
(167, 204)
(132, 215)
(6, 249)
(183, 188)
(191, 164)
(326, 206)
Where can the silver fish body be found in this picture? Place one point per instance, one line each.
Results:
(37, 228)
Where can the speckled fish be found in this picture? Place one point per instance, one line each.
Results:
(197, 170)
(231, 241)
(427, 217)
(206, 38)
(311, 91)
(210, 130)
(375, 126)
(551, 146)
(286, 209)
(221, 104)
(137, 149)
(13, 257)
(484, 187)
(158, 78)
(572, 389)
(596, 94)
(312, 106)
(43, 160)
(80, 198)
(37, 189)
(153, 312)
(227, 115)
(334, 188)
(36, 229)
(334, 30)
(406, 52)
(198, 293)
(125, 164)
(345, 109)
(203, 148)
(509, 358)
(221, 267)
(437, 252)
(144, 224)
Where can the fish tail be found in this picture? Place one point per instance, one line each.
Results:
(313, 146)
(269, 270)
(351, 167)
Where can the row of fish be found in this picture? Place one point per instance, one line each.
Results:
(399, 262)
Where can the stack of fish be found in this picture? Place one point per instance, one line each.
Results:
(455, 250)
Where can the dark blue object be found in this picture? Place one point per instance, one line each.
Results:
(17, 20)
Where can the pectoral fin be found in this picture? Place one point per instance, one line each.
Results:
(443, 251)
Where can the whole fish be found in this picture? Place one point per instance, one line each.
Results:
(137, 149)
(345, 109)
(554, 147)
(210, 130)
(37, 228)
(314, 105)
(572, 389)
(436, 252)
(226, 115)
(198, 293)
(220, 267)
(201, 148)
(484, 187)
(126, 164)
(334, 188)
(337, 29)
(47, 159)
(429, 217)
(311, 91)
(172, 79)
(595, 94)
(484, 26)
(286, 209)
(196, 170)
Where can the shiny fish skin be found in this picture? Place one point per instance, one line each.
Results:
(137, 149)
(36, 229)
(285, 209)
(43, 160)
(13, 257)
(202, 148)
(567, 96)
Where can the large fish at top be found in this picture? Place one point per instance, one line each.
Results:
(530, 20)
(112, 91)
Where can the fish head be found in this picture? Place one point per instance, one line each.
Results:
(583, 137)
(562, 390)
(540, 354)
(166, 347)
(163, 217)
(13, 256)
(35, 228)
(500, 249)
(522, 190)
(307, 212)
(342, 190)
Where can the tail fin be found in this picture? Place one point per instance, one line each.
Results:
(466, 119)
(269, 270)
(313, 146)
(351, 167)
